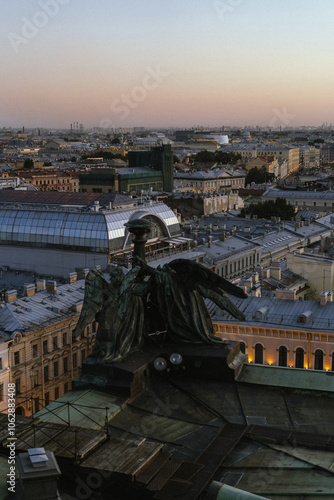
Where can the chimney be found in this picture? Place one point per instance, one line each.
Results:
(52, 287)
(29, 289)
(259, 270)
(83, 273)
(10, 296)
(266, 272)
(276, 273)
(247, 283)
(275, 263)
(40, 285)
(330, 297)
(39, 472)
(255, 277)
(285, 294)
(72, 277)
(323, 298)
(256, 291)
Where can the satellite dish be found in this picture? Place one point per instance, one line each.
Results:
(175, 359)
(160, 364)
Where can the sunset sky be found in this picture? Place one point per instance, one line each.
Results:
(159, 63)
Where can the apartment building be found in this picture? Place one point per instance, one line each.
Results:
(43, 359)
(283, 332)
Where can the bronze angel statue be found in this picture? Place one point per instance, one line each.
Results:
(167, 299)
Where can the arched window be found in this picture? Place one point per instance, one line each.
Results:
(19, 410)
(259, 354)
(318, 360)
(299, 358)
(243, 347)
(282, 356)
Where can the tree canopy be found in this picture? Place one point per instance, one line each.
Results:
(259, 176)
(215, 157)
(270, 208)
(28, 163)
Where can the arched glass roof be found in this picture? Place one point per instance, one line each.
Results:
(93, 231)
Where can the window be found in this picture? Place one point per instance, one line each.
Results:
(318, 360)
(1, 392)
(282, 356)
(34, 351)
(65, 365)
(1, 365)
(259, 354)
(83, 355)
(16, 358)
(46, 374)
(47, 398)
(333, 362)
(65, 388)
(56, 392)
(55, 343)
(36, 404)
(45, 346)
(55, 369)
(74, 360)
(18, 386)
(299, 358)
(64, 339)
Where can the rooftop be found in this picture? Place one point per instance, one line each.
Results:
(285, 313)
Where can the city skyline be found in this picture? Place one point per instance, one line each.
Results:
(121, 64)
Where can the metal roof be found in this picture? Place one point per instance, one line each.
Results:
(41, 309)
(283, 313)
(317, 195)
(90, 231)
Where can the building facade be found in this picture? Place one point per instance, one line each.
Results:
(278, 332)
(43, 359)
(212, 181)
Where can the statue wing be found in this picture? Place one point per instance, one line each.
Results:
(209, 284)
(96, 290)
(126, 289)
(222, 300)
(196, 273)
